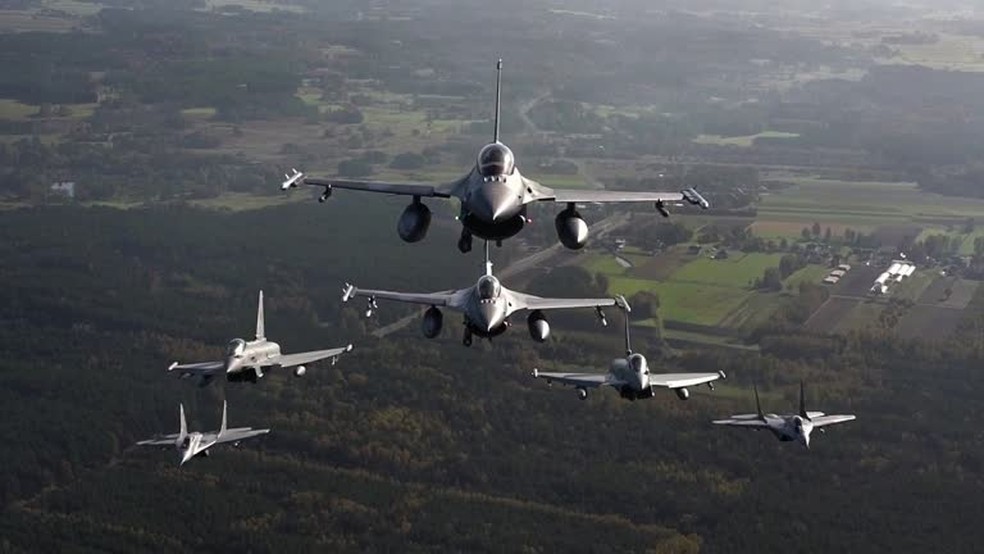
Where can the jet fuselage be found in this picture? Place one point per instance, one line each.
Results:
(243, 356)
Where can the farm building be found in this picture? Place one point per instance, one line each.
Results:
(831, 280)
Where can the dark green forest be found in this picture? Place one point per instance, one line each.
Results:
(413, 444)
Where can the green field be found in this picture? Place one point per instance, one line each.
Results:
(745, 141)
(861, 202)
(12, 109)
(238, 201)
(812, 273)
(739, 271)
(702, 304)
(199, 113)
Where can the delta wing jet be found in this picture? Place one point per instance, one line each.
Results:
(245, 360)
(486, 306)
(494, 196)
(795, 427)
(195, 444)
(630, 375)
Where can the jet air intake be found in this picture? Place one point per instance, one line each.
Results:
(414, 221)
(571, 228)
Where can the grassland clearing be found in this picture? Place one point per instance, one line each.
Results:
(745, 141)
(837, 201)
(812, 274)
(702, 304)
(16, 111)
(237, 201)
(204, 112)
(738, 271)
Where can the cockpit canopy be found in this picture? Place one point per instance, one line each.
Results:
(638, 363)
(488, 288)
(236, 348)
(186, 442)
(496, 159)
(798, 422)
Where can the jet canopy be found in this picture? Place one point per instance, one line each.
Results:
(235, 348)
(496, 159)
(488, 288)
(638, 363)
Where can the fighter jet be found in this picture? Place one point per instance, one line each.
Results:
(630, 375)
(245, 360)
(494, 196)
(193, 445)
(486, 306)
(786, 427)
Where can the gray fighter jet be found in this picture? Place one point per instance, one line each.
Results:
(193, 445)
(486, 306)
(494, 197)
(630, 375)
(246, 360)
(786, 427)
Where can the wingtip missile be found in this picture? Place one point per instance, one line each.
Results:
(172, 366)
(291, 179)
(536, 373)
(347, 292)
(692, 196)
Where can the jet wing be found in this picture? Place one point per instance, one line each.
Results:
(831, 419)
(451, 299)
(291, 360)
(522, 301)
(678, 380)
(237, 434)
(405, 189)
(579, 379)
(201, 368)
(445, 190)
(160, 440)
(745, 420)
(542, 193)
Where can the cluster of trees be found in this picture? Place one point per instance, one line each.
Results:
(429, 444)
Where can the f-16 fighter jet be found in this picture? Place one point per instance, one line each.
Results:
(486, 306)
(796, 427)
(195, 444)
(494, 196)
(630, 375)
(245, 360)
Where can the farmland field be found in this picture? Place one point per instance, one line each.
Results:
(740, 270)
(861, 201)
(687, 302)
(829, 316)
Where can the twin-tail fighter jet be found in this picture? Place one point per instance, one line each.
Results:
(486, 306)
(793, 427)
(494, 197)
(630, 375)
(196, 444)
(245, 360)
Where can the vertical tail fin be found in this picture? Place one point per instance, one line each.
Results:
(758, 403)
(803, 402)
(260, 330)
(222, 428)
(498, 88)
(488, 260)
(184, 425)
(625, 312)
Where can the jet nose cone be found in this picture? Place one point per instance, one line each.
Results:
(488, 317)
(494, 203)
